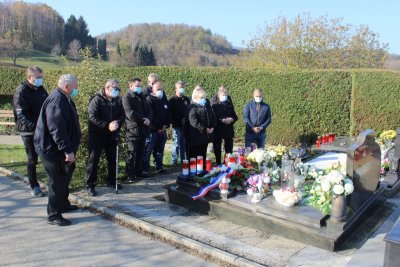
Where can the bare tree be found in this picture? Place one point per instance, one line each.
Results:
(74, 50)
(56, 50)
(11, 46)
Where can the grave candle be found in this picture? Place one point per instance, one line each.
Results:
(318, 143)
(185, 168)
(242, 159)
(232, 159)
(192, 166)
(199, 164)
(208, 164)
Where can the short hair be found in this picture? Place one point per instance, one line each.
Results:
(258, 90)
(111, 82)
(179, 83)
(133, 80)
(32, 70)
(198, 91)
(152, 75)
(222, 89)
(66, 79)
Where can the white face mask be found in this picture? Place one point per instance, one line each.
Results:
(222, 98)
(258, 99)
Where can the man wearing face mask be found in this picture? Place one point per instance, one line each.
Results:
(106, 116)
(27, 101)
(257, 117)
(137, 116)
(178, 103)
(161, 119)
(56, 139)
(226, 117)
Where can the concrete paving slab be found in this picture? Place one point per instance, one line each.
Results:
(316, 257)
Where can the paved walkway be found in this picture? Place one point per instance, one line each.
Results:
(27, 240)
(10, 140)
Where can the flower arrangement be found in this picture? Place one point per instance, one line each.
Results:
(287, 196)
(388, 135)
(258, 183)
(321, 192)
(277, 152)
(385, 165)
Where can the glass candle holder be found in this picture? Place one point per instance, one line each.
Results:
(193, 166)
(185, 167)
(199, 164)
(208, 164)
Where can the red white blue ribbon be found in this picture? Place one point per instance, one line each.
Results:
(214, 183)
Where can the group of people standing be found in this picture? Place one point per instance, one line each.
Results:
(49, 127)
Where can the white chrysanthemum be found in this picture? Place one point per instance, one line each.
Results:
(326, 185)
(267, 180)
(348, 188)
(317, 188)
(259, 156)
(272, 154)
(348, 181)
(249, 191)
(335, 177)
(338, 189)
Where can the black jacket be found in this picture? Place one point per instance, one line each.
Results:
(199, 119)
(57, 130)
(178, 107)
(27, 102)
(224, 110)
(136, 108)
(102, 111)
(161, 111)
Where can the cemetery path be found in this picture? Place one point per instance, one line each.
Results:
(91, 240)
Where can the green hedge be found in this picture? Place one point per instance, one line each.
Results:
(376, 101)
(304, 103)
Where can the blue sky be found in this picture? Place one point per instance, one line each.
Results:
(236, 20)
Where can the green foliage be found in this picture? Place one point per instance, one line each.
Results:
(10, 78)
(376, 102)
(304, 103)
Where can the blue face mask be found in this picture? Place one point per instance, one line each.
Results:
(137, 90)
(74, 92)
(223, 98)
(160, 94)
(258, 99)
(202, 102)
(114, 92)
(182, 90)
(38, 82)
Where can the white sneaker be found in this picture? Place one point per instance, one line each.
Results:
(37, 192)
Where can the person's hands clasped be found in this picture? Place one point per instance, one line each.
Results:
(70, 157)
(146, 121)
(257, 129)
(113, 126)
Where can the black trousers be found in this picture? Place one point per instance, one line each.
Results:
(32, 160)
(134, 159)
(59, 173)
(200, 150)
(95, 147)
(217, 144)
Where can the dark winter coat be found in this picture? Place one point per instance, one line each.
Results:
(161, 111)
(102, 112)
(57, 130)
(253, 118)
(136, 109)
(199, 119)
(27, 102)
(178, 105)
(224, 110)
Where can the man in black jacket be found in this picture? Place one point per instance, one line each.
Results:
(106, 116)
(226, 116)
(178, 104)
(27, 101)
(137, 116)
(161, 119)
(57, 138)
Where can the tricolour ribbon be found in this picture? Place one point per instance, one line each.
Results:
(214, 182)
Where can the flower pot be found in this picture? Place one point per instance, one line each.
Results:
(339, 208)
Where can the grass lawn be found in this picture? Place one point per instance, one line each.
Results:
(13, 157)
(41, 59)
